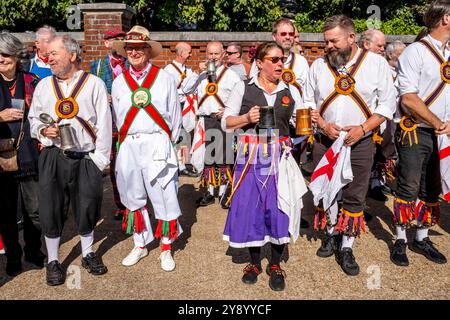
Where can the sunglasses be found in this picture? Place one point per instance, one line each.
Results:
(276, 59)
(137, 49)
(284, 34)
(229, 53)
(5, 55)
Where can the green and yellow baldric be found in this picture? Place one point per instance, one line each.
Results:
(407, 123)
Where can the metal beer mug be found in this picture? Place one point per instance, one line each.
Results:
(303, 125)
(67, 138)
(267, 117)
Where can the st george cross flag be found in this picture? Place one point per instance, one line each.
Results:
(444, 162)
(198, 146)
(333, 172)
(189, 112)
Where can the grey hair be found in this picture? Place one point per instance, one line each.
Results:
(45, 29)
(71, 45)
(10, 44)
(181, 47)
(392, 47)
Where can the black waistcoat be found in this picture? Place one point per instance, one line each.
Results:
(284, 107)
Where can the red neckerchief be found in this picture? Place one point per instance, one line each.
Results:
(43, 59)
(117, 61)
(139, 73)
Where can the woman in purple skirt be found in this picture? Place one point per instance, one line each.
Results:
(254, 218)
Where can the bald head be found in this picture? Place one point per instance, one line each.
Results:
(373, 40)
(214, 51)
(183, 51)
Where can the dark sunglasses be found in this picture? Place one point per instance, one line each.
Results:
(5, 55)
(229, 53)
(276, 59)
(284, 34)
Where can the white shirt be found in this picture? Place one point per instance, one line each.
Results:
(300, 69)
(419, 72)
(234, 108)
(240, 70)
(93, 107)
(373, 83)
(231, 89)
(188, 83)
(163, 97)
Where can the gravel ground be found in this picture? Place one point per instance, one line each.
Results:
(208, 269)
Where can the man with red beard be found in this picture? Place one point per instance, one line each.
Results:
(351, 90)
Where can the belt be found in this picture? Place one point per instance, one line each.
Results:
(322, 138)
(75, 154)
(211, 116)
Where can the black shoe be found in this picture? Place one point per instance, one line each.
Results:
(56, 275)
(37, 258)
(376, 193)
(426, 248)
(251, 272)
(398, 254)
(93, 264)
(187, 173)
(367, 216)
(13, 268)
(347, 262)
(206, 200)
(329, 246)
(277, 275)
(304, 224)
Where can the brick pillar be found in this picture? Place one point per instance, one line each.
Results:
(98, 18)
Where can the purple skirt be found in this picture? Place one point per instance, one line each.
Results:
(254, 218)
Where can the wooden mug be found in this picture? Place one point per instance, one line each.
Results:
(303, 125)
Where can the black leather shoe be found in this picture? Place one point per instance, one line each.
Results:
(304, 224)
(37, 258)
(277, 275)
(329, 246)
(251, 272)
(13, 268)
(206, 200)
(93, 264)
(376, 193)
(347, 262)
(426, 248)
(187, 173)
(56, 275)
(398, 254)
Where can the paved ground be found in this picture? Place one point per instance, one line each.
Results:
(208, 269)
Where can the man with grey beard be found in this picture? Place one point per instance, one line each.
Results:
(351, 92)
(70, 173)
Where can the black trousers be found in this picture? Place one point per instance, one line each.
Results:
(24, 192)
(68, 183)
(218, 144)
(362, 153)
(418, 167)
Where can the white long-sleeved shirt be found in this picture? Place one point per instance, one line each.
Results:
(163, 97)
(373, 83)
(187, 84)
(233, 108)
(300, 69)
(231, 89)
(93, 107)
(419, 72)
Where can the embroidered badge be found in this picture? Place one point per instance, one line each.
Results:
(66, 108)
(212, 88)
(141, 97)
(344, 84)
(285, 101)
(288, 76)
